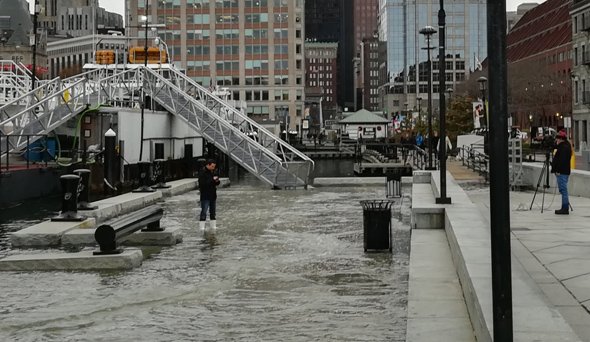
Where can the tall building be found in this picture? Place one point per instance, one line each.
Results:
(76, 18)
(539, 53)
(399, 25)
(332, 21)
(370, 60)
(16, 36)
(252, 47)
(321, 68)
(365, 21)
(580, 14)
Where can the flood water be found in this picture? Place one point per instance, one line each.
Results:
(282, 266)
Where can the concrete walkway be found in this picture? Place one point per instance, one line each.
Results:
(553, 249)
(550, 262)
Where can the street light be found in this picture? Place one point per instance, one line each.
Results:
(450, 92)
(483, 83)
(443, 199)
(159, 42)
(428, 31)
(33, 71)
(419, 104)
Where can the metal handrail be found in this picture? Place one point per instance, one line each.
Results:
(236, 115)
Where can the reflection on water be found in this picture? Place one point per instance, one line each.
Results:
(282, 266)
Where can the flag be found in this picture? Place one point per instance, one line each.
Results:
(478, 65)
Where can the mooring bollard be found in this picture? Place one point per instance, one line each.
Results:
(108, 235)
(160, 174)
(110, 159)
(144, 178)
(69, 203)
(83, 189)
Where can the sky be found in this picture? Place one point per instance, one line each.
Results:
(118, 6)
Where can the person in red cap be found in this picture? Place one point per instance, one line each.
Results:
(560, 165)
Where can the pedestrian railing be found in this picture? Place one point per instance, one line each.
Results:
(474, 159)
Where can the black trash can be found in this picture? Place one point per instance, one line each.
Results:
(377, 224)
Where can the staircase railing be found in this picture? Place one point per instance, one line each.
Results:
(265, 163)
(237, 118)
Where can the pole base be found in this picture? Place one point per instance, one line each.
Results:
(109, 252)
(443, 200)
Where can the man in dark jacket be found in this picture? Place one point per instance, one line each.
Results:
(562, 169)
(208, 183)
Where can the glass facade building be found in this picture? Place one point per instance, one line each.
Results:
(399, 24)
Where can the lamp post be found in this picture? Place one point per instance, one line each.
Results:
(442, 129)
(428, 31)
(483, 83)
(34, 64)
(499, 177)
(419, 105)
(531, 128)
(159, 42)
(144, 18)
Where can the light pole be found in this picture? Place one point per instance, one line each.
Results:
(442, 129)
(159, 42)
(419, 105)
(34, 64)
(499, 177)
(143, 97)
(483, 83)
(428, 31)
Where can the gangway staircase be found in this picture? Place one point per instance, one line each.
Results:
(252, 146)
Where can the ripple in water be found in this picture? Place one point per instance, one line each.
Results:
(283, 266)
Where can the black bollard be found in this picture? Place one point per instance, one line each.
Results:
(144, 178)
(160, 174)
(69, 203)
(110, 159)
(83, 190)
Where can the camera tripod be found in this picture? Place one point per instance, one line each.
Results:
(544, 173)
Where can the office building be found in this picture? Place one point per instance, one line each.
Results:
(399, 25)
(252, 47)
(370, 61)
(321, 68)
(332, 21)
(77, 18)
(512, 17)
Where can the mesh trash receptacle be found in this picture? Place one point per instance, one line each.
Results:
(377, 224)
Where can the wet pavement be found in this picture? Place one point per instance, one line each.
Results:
(282, 266)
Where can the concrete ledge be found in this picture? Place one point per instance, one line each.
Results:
(130, 258)
(169, 237)
(180, 186)
(421, 177)
(436, 308)
(122, 204)
(426, 214)
(578, 184)
(47, 233)
(468, 234)
(85, 237)
(343, 181)
(406, 185)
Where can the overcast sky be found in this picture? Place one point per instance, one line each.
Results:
(118, 6)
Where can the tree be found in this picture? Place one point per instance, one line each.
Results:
(459, 116)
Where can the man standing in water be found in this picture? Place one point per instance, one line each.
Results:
(208, 183)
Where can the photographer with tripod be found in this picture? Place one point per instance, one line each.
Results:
(562, 169)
